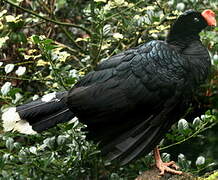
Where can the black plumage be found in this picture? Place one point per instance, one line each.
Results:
(132, 99)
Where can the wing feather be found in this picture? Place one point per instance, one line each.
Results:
(124, 101)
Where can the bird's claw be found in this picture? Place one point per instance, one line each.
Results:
(165, 167)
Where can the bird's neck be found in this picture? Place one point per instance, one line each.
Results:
(197, 56)
(181, 41)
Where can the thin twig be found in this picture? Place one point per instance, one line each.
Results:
(33, 25)
(45, 7)
(158, 4)
(186, 139)
(19, 78)
(62, 28)
(100, 44)
(65, 46)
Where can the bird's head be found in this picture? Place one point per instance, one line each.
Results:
(191, 22)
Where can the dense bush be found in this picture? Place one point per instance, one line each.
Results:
(45, 46)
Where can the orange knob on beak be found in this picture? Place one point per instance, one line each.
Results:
(209, 16)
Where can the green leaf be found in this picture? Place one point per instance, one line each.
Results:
(36, 39)
(61, 3)
(47, 41)
(10, 144)
(21, 37)
(49, 160)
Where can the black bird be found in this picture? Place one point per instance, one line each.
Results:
(131, 99)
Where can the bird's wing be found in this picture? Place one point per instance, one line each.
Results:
(146, 75)
(129, 99)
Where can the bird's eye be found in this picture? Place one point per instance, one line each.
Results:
(196, 19)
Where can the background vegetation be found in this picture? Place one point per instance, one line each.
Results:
(46, 45)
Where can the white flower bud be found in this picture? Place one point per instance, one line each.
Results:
(9, 68)
(196, 121)
(180, 6)
(182, 124)
(6, 88)
(20, 71)
(181, 156)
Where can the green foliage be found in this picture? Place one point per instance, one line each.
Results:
(64, 155)
(48, 45)
(213, 176)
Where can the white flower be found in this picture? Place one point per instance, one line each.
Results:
(20, 71)
(200, 160)
(6, 88)
(1, 63)
(9, 68)
(118, 36)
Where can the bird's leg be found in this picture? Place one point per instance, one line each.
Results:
(164, 167)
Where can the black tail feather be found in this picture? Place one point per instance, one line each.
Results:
(51, 120)
(142, 138)
(40, 114)
(138, 140)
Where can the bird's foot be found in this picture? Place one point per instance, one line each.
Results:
(165, 166)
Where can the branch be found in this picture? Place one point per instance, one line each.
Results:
(48, 19)
(20, 78)
(62, 28)
(164, 12)
(193, 135)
